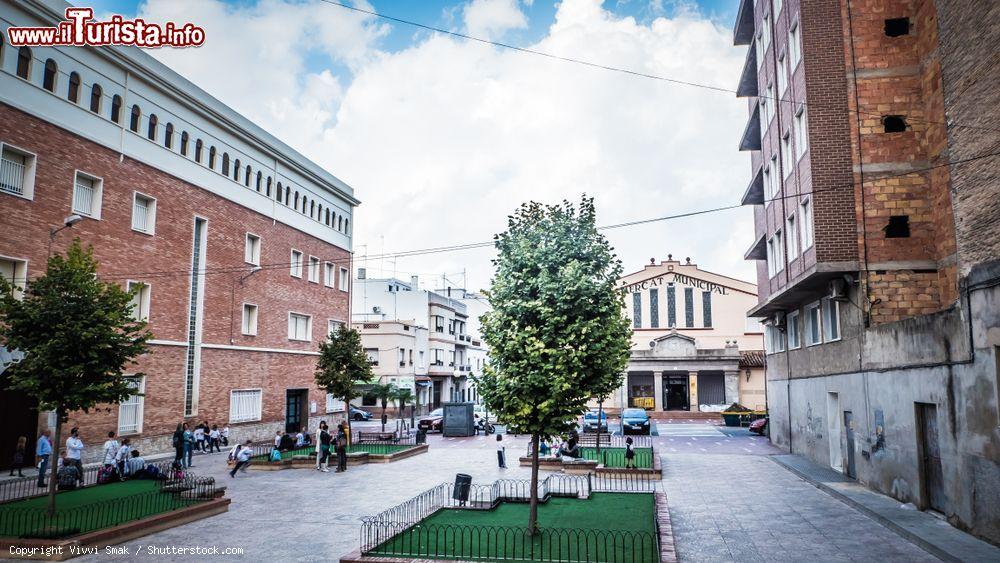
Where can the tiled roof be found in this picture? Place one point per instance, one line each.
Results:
(752, 359)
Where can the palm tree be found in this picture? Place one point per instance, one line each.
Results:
(383, 392)
(402, 397)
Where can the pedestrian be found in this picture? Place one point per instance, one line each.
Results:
(213, 439)
(629, 454)
(178, 441)
(341, 448)
(136, 466)
(323, 448)
(122, 457)
(199, 438)
(18, 461)
(188, 445)
(242, 459)
(225, 435)
(68, 475)
(110, 449)
(300, 438)
(43, 451)
(501, 458)
(74, 449)
(277, 439)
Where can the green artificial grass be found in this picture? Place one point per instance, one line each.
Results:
(377, 449)
(87, 509)
(605, 527)
(615, 457)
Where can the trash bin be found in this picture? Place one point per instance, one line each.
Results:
(421, 436)
(463, 483)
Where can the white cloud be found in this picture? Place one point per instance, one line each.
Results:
(490, 19)
(442, 140)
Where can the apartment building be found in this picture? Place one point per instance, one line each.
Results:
(430, 324)
(693, 347)
(876, 240)
(237, 246)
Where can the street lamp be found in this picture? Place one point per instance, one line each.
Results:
(67, 222)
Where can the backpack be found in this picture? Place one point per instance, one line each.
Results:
(275, 455)
(105, 474)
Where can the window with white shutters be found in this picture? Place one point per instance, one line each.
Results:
(130, 410)
(296, 264)
(345, 279)
(244, 405)
(328, 274)
(86, 195)
(251, 251)
(334, 404)
(299, 327)
(17, 172)
(140, 300)
(314, 269)
(249, 319)
(143, 213)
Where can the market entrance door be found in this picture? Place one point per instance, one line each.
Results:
(675, 393)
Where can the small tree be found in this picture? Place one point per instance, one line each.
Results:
(556, 332)
(403, 397)
(383, 392)
(342, 366)
(78, 335)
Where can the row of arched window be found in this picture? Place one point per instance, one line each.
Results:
(230, 169)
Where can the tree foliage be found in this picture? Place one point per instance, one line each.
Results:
(78, 334)
(556, 332)
(342, 365)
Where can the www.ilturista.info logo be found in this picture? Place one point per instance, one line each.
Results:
(79, 29)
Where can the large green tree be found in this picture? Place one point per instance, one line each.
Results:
(556, 332)
(343, 366)
(78, 334)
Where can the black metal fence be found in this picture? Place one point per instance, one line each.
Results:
(168, 495)
(398, 530)
(27, 487)
(394, 438)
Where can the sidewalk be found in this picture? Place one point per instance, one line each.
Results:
(931, 534)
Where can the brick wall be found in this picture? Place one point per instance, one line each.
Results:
(126, 254)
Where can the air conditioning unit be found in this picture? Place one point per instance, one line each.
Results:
(377, 310)
(779, 320)
(837, 289)
(362, 273)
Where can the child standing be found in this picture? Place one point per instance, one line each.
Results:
(213, 439)
(225, 435)
(501, 459)
(199, 438)
(18, 461)
(629, 454)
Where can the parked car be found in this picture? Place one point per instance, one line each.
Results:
(360, 415)
(635, 420)
(432, 422)
(590, 421)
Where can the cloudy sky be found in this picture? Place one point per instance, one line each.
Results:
(442, 138)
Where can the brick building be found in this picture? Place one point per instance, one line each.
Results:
(877, 247)
(237, 246)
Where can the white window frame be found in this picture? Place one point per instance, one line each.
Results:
(782, 75)
(777, 8)
(150, 213)
(295, 262)
(27, 174)
(145, 299)
(333, 323)
(794, 45)
(96, 198)
(766, 28)
(786, 154)
(807, 324)
(773, 342)
(830, 317)
(291, 335)
(313, 271)
(801, 132)
(343, 282)
(251, 249)
(373, 355)
(791, 241)
(255, 395)
(806, 223)
(328, 274)
(20, 272)
(765, 114)
(793, 328)
(249, 319)
(334, 404)
(138, 402)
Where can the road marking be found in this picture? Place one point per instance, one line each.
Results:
(747, 450)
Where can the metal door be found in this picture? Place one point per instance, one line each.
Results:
(930, 450)
(849, 428)
(711, 389)
(293, 410)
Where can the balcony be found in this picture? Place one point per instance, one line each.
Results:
(758, 251)
(754, 194)
(751, 134)
(748, 78)
(744, 27)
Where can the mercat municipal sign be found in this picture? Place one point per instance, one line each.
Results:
(678, 278)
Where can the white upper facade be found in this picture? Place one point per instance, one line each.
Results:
(173, 118)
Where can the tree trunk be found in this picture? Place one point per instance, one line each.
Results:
(54, 463)
(600, 411)
(533, 507)
(383, 416)
(349, 417)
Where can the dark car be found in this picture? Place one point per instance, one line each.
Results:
(432, 422)
(358, 414)
(590, 422)
(635, 420)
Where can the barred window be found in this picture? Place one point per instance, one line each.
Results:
(654, 305)
(671, 306)
(706, 308)
(636, 310)
(244, 405)
(689, 307)
(130, 410)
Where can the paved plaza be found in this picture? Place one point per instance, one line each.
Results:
(729, 501)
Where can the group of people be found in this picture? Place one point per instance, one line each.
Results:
(337, 442)
(283, 441)
(119, 459)
(203, 438)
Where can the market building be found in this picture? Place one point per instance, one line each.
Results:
(872, 130)
(237, 246)
(693, 347)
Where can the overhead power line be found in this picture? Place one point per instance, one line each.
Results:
(621, 70)
(244, 268)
